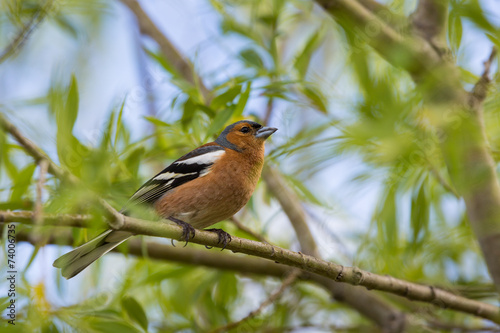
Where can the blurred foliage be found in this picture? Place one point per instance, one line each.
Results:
(332, 97)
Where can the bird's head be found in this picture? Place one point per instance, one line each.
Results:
(244, 134)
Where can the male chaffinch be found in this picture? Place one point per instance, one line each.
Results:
(205, 186)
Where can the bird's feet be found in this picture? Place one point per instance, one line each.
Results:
(224, 237)
(188, 232)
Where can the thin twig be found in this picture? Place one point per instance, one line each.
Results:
(430, 21)
(480, 90)
(23, 34)
(291, 278)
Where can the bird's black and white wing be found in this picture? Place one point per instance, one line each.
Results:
(194, 164)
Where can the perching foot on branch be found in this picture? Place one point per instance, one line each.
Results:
(224, 237)
(188, 232)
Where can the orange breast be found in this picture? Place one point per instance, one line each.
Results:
(218, 195)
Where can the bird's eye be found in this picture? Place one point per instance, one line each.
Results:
(245, 129)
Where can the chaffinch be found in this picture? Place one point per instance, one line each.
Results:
(205, 186)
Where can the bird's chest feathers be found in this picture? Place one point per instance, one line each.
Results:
(236, 179)
(217, 195)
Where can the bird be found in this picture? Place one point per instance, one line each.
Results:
(205, 186)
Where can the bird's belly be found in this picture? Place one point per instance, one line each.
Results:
(202, 206)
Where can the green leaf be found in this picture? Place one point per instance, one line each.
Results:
(242, 101)
(111, 326)
(225, 98)
(32, 257)
(22, 182)
(419, 214)
(386, 219)
(455, 31)
(303, 60)
(70, 151)
(156, 121)
(252, 58)
(189, 110)
(71, 107)
(468, 76)
(220, 120)
(174, 273)
(304, 192)
(134, 159)
(231, 25)
(494, 39)
(106, 136)
(177, 78)
(135, 311)
(473, 11)
(119, 121)
(315, 96)
(66, 25)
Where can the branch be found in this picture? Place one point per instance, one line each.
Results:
(23, 34)
(33, 150)
(480, 90)
(464, 145)
(335, 272)
(411, 53)
(398, 22)
(430, 20)
(38, 155)
(293, 209)
(169, 51)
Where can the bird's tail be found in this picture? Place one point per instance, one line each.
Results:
(77, 260)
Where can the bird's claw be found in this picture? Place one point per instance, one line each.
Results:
(188, 231)
(224, 237)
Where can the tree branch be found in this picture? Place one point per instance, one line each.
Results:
(115, 218)
(335, 272)
(464, 140)
(397, 22)
(411, 53)
(23, 34)
(183, 66)
(293, 209)
(430, 20)
(480, 90)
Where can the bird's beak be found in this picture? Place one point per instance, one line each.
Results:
(265, 132)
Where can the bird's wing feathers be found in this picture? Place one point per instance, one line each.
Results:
(194, 164)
